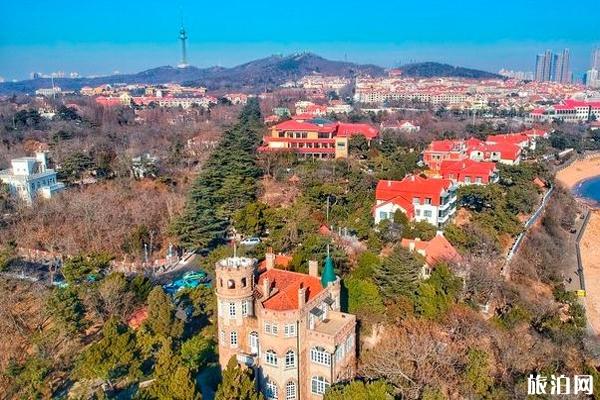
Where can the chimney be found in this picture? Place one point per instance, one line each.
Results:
(411, 245)
(42, 158)
(439, 232)
(313, 268)
(301, 296)
(270, 259)
(266, 287)
(389, 183)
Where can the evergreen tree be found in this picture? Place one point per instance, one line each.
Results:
(237, 384)
(357, 390)
(399, 274)
(477, 374)
(161, 319)
(226, 184)
(111, 358)
(67, 310)
(438, 293)
(172, 379)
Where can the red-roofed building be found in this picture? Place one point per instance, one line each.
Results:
(421, 199)
(570, 110)
(286, 325)
(500, 149)
(109, 101)
(315, 137)
(440, 150)
(467, 172)
(436, 250)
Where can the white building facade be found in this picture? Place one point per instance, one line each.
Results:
(30, 177)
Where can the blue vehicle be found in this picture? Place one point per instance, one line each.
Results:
(189, 280)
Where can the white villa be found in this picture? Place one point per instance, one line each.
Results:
(30, 177)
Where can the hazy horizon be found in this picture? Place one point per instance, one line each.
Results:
(98, 39)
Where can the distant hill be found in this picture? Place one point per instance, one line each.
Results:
(255, 75)
(434, 69)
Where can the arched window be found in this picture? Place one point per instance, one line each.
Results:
(290, 390)
(290, 359)
(318, 385)
(318, 355)
(254, 342)
(230, 284)
(271, 357)
(271, 391)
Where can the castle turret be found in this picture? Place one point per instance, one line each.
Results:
(234, 287)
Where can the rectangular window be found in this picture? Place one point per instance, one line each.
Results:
(274, 329)
(383, 215)
(428, 200)
(268, 327)
(417, 212)
(290, 330)
(245, 308)
(427, 213)
(232, 309)
(233, 339)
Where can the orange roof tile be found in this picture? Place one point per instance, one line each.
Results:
(286, 285)
(436, 250)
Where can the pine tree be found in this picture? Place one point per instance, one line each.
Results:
(172, 379)
(227, 183)
(357, 390)
(67, 310)
(113, 357)
(161, 319)
(237, 384)
(399, 274)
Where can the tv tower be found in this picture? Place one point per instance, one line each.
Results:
(183, 37)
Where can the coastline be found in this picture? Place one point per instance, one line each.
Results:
(581, 170)
(590, 258)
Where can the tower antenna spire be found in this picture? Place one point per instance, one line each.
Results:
(183, 37)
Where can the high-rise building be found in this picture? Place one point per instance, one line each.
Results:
(539, 67)
(596, 59)
(562, 71)
(545, 66)
(553, 67)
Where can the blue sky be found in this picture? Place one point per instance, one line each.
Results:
(99, 37)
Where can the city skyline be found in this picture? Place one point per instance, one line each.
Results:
(94, 39)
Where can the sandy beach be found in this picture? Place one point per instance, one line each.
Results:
(590, 257)
(578, 171)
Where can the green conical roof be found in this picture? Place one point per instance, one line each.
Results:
(328, 275)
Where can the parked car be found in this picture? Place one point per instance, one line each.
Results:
(251, 241)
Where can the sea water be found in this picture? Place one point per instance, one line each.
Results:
(589, 189)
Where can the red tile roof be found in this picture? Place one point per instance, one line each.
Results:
(347, 130)
(292, 125)
(285, 284)
(412, 186)
(436, 250)
(467, 167)
(281, 260)
(303, 123)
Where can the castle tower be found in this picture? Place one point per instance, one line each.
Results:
(183, 37)
(234, 288)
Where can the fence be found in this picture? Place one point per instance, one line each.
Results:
(534, 217)
(578, 249)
